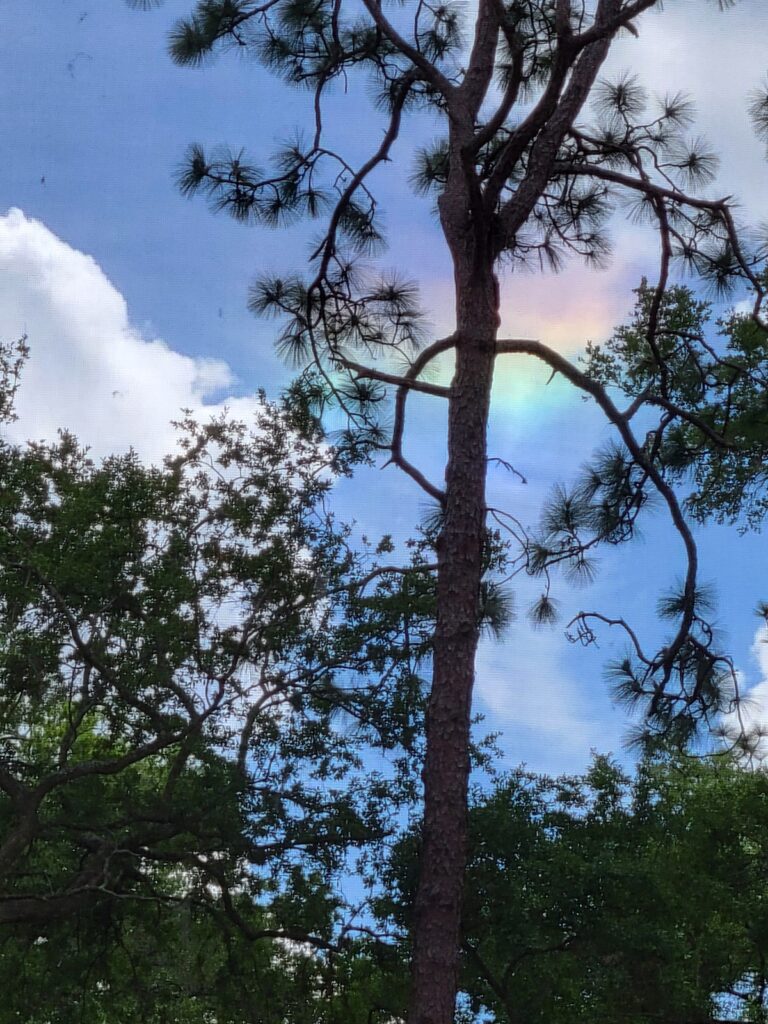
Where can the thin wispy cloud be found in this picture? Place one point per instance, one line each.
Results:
(529, 687)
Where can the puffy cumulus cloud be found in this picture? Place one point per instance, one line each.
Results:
(90, 370)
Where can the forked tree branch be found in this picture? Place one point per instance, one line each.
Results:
(396, 444)
(429, 72)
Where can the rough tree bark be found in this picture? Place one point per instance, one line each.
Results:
(460, 554)
(468, 219)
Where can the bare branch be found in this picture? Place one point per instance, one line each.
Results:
(397, 457)
(367, 372)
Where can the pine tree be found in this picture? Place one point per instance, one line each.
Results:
(519, 178)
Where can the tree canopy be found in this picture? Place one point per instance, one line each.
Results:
(610, 897)
(196, 665)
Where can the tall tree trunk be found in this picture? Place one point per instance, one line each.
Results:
(436, 932)
(470, 222)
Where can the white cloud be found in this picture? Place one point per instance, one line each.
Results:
(90, 370)
(760, 652)
(752, 715)
(718, 58)
(548, 720)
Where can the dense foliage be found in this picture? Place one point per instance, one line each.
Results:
(196, 672)
(610, 898)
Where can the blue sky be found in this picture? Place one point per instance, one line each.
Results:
(134, 301)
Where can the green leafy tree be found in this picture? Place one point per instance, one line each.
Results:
(521, 175)
(195, 667)
(180, 965)
(697, 382)
(608, 898)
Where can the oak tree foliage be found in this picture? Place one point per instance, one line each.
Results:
(613, 897)
(198, 669)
